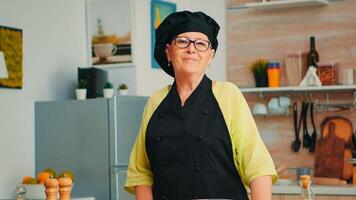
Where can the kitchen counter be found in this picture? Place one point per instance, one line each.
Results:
(348, 190)
(72, 198)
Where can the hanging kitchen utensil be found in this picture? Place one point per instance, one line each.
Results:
(353, 145)
(296, 143)
(329, 155)
(306, 136)
(314, 134)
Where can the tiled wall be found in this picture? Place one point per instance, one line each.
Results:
(269, 34)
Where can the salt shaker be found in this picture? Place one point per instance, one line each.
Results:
(65, 188)
(51, 188)
(20, 192)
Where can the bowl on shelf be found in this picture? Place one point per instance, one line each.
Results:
(278, 106)
(259, 109)
(34, 191)
(277, 110)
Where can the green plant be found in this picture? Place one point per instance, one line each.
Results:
(259, 66)
(123, 87)
(108, 85)
(82, 84)
(100, 27)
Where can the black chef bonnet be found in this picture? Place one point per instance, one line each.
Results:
(181, 22)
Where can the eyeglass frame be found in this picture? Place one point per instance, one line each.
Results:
(192, 41)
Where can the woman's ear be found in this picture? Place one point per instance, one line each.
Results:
(212, 54)
(167, 52)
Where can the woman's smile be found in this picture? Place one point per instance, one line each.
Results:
(189, 59)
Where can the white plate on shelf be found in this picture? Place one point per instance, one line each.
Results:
(284, 182)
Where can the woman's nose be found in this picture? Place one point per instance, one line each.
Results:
(191, 48)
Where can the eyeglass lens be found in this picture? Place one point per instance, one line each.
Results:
(201, 45)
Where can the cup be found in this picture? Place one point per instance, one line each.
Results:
(302, 171)
(284, 101)
(273, 74)
(104, 50)
(259, 109)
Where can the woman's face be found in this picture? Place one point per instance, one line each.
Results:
(189, 60)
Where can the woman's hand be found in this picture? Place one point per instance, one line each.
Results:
(261, 188)
(143, 192)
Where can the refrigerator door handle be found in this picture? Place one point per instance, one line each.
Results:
(114, 169)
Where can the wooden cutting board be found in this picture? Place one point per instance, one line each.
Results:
(343, 130)
(329, 155)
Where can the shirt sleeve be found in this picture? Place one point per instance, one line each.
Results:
(252, 156)
(139, 172)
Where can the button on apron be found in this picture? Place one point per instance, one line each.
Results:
(197, 147)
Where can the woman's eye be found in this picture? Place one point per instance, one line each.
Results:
(182, 41)
(201, 43)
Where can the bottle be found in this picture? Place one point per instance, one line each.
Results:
(273, 74)
(307, 193)
(313, 55)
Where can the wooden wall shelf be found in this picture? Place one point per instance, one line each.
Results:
(296, 89)
(279, 4)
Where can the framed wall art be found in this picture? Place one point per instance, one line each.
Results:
(109, 32)
(11, 73)
(159, 11)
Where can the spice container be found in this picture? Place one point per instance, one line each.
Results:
(273, 73)
(328, 72)
(347, 76)
(295, 67)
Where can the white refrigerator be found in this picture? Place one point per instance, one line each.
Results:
(92, 138)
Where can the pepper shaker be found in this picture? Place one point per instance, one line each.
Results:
(51, 188)
(65, 188)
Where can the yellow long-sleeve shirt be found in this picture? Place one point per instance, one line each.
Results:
(251, 157)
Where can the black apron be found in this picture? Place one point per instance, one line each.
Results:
(189, 149)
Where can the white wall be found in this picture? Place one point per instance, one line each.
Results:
(53, 47)
(114, 15)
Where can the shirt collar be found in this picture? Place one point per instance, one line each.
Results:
(197, 95)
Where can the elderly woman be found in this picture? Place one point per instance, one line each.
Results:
(198, 139)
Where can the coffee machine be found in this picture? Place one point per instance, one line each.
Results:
(95, 79)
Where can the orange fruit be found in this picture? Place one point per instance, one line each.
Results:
(51, 171)
(29, 180)
(43, 176)
(66, 173)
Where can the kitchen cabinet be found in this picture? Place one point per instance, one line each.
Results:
(278, 4)
(274, 197)
(323, 192)
(93, 138)
(322, 197)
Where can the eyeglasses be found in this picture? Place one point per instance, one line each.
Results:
(200, 45)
